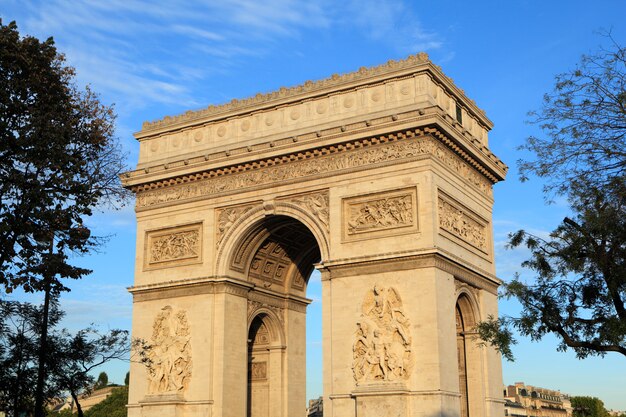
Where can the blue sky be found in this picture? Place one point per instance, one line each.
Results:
(156, 58)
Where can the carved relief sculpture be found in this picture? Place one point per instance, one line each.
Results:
(226, 218)
(173, 245)
(382, 213)
(382, 347)
(169, 366)
(460, 224)
(316, 204)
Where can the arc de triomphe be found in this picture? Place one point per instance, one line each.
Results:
(380, 179)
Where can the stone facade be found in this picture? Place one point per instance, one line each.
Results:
(382, 180)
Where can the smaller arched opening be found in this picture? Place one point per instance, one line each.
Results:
(469, 357)
(264, 366)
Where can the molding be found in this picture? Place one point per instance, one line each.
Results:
(190, 287)
(433, 258)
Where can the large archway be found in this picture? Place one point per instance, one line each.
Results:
(279, 253)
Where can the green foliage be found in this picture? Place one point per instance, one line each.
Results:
(113, 406)
(580, 287)
(58, 161)
(127, 378)
(588, 407)
(102, 381)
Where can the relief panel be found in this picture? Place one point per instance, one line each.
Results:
(173, 246)
(380, 214)
(258, 371)
(169, 354)
(382, 346)
(462, 223)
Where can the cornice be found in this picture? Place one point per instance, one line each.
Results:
(460, 138)
(212, 285)
(335, 83)
(242, 174)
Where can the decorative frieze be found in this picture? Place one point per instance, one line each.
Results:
(389, 212)
(321, 163)
(173, 246)
(169, 354)
(382, 347)
(462, 224)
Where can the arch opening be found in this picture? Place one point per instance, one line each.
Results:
(468, 358)
(278, 256)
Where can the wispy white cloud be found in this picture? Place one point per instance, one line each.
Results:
(394, 22)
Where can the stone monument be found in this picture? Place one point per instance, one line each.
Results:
(380, 179)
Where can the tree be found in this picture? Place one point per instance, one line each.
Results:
(588, 407)
(72, 356)
(20, 327)
(579, 293)
(102, 381)
(584, 122)
(58, 160)
(79, 354)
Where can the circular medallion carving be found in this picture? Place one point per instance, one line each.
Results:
(221, 131)
(321, 108)
(154, 146)
(376, 96)
(405, 90)
(245, 125)
(348, 102)
(269, 120)
(197, 137)
(295, 114)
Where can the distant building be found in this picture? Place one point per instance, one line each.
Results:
(528, 401)
(316, 408)
(86, 401)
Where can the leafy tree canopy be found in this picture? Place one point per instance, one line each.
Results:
(59, 159)
(579, 290)
(588, 407)
(584, 124)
